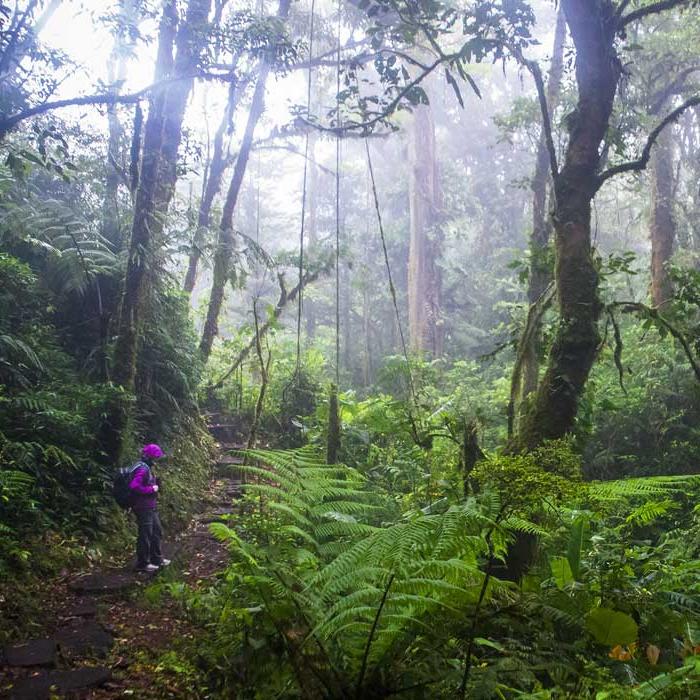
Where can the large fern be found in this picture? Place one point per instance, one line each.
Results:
(367, 585)
(644, 487)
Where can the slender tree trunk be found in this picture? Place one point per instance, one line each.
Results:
(111, 225)
(333, 441)
(225, 242)
(366, 330)
(264, 380)
(156, 182)
(598, 69)
(312, 228)
(424, 283)
(285, 299)
(217, 168)
(118, 60)
(663, 226)
(540, 271)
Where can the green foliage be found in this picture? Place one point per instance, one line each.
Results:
(336, 590)
(326, 566)
(551, 472)
(610, 627)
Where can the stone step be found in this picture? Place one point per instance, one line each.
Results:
(84, 638)
(85, 607)
(39, 686)
(35, 652)
(229, 459)
(103, 582)
(227, 471)
(230, 446)
(218, 516)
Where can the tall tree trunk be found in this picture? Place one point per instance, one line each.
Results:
(540, 271)
(424, 283)
(217, 168)
(156, 182)
(366, 330)
(598, 69)
(111, 225)
(225, 242)
(311, 228)
(663, 226)
(117, 65)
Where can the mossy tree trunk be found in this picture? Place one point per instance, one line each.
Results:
(424, 282)
(662, 224)
(540, 268)
(593, 28)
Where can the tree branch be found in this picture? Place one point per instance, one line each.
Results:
(536, 73)
(652, 9)
(673, 88)
(651, 312)
(388, 111)
(109, 98)
(285, 298)
(641, 162)
(291, 149)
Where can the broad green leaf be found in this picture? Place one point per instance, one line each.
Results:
(578, 539)
(611, 627)
(561, 570)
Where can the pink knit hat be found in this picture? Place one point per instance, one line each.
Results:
(152, 451)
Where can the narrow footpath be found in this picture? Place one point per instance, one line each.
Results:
(102, 635)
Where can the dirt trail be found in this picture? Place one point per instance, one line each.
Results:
(102, 635)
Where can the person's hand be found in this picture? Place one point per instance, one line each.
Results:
(155, 489)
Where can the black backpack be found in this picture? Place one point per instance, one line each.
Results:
(120, 485)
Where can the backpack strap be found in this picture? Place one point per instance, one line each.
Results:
(138, 465)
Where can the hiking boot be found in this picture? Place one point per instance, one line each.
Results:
(148, 569)
(165, 562)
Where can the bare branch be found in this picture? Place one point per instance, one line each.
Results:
(675, 87)
(641, 162)
(291, 149)
(652, 9)
(109, 98)
(285, 298)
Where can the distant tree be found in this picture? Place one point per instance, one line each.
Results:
(425, 321)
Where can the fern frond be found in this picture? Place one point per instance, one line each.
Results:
(644, 487)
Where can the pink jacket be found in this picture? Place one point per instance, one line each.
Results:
(143, 495)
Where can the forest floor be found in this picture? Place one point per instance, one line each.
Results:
(107, 633)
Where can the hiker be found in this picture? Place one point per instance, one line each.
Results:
(144, 502)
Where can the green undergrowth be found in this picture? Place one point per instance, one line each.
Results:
(338, 589)
(57, 512)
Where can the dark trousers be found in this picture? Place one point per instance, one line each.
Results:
(148, 542)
